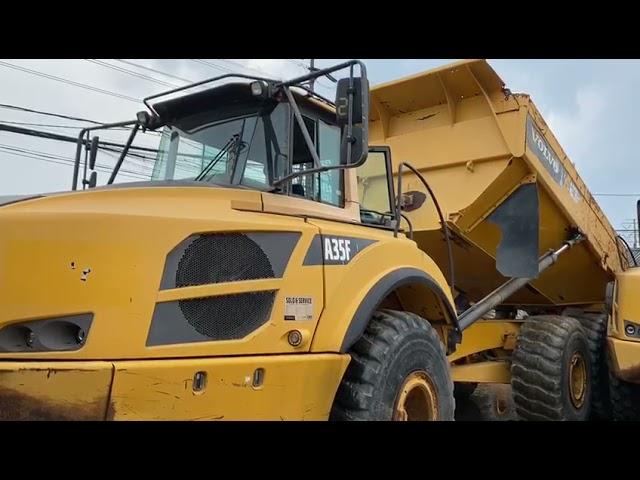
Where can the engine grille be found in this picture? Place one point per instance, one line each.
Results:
(228, 317)
(218, 258)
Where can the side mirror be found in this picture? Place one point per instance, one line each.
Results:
(93, 152)
(638, 212)
(352, 93)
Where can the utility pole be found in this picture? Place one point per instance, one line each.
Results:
(312, 68)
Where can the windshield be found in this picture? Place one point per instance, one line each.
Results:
(249, 149)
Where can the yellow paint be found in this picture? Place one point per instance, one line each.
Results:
(624, 351)
(485, 335)
(625, 359)
(296, 387)
(345, 288)
(447, 119)
(455, 124)
(482, 372)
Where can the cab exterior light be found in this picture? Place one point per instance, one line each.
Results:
(257, 89)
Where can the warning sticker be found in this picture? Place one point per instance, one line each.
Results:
(298, 308)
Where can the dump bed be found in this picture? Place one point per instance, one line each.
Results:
(508, 190)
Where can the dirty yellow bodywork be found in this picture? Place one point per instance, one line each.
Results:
(477, 144)
(474, 142)
(624, 326)
(101, 256)
(164, 390)
(103, 252)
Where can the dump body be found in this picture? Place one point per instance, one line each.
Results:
(508, 190)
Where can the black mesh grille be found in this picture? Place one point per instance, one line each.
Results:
(228, 317)
(218, 258)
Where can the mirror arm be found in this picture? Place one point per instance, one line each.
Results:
(80, 142)
(124, 153)
(303, 127)
(86, 161)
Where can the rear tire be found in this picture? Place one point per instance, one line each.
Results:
(398, 371)
(495, 402)
(595, 327)
(551, 370)
(625, 399)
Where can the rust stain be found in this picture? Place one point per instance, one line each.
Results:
(18, 406)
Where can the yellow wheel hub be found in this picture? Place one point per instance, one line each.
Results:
(417, 399)
(577, 380)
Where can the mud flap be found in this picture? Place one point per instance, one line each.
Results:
(518, 218)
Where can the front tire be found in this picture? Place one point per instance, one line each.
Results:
(398, 371)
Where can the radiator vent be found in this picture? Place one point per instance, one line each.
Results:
(228, 317)
(218, 258)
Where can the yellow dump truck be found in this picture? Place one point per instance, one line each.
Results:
(623, 343)
(511, 194)
(295, 257)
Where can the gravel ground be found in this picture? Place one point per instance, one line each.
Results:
(488, 403)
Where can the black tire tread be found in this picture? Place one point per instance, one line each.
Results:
(625, 399)
(595, 326)
(369, 354)
(536, 369)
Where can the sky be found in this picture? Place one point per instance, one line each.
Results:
(590, 105)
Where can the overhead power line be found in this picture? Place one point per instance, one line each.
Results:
(42, 156)
(69, 82)
(144, 67)
(132, 73)
(211, 64)
(40, 112)
(64, 138)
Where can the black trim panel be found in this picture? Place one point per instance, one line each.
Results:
(375, 296)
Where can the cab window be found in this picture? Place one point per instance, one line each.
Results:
(326, 187)
(375, 188)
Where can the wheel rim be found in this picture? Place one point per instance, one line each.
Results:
(577, 380)
(417, 399)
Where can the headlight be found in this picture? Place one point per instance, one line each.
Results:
(47, 335)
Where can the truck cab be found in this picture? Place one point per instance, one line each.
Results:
(235, 283)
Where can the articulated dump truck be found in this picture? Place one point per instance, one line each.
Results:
(370, 257)
(511, 197)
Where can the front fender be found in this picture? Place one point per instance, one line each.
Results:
(356, 290)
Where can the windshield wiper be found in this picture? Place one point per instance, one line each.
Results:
(212, 163)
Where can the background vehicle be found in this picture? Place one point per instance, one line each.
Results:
(623, 344)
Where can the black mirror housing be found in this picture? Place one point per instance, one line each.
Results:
(342, 101)
(356, 132)
(93, 152)
(93, 179)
